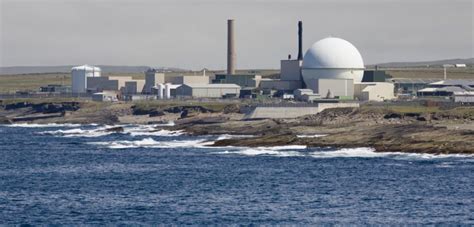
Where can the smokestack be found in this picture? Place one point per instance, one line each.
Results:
(230, 47)
(300, 40)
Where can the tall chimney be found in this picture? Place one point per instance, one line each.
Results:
(300, 40)
(230, 47)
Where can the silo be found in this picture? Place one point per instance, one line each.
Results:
(79, 75)
(161, 88)
(167, 91)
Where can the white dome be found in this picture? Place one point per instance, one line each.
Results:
(332, 53)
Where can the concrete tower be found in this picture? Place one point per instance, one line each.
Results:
(230, 47)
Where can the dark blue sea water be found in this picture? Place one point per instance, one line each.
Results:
(79, 174)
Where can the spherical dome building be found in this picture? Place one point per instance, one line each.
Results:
(332, 58)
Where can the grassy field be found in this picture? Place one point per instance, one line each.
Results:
(431, 73)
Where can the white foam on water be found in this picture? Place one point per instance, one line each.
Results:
(50, 125)
(78, 132)
(311, 136)
(280, 151)
(150, 130)
(133, 130)
(367, 152)
(150, 143)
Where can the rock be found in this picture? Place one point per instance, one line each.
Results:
(156, 113)
(420, 118)
(411, 115)
(5, 120)
(179, 109)
(157, 122)
(55, 107)
(114, 129)
(231, 108)
(392, 115)
(17, 105)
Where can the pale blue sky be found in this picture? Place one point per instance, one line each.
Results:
(192, 33)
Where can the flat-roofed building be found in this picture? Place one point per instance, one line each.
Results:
(243, 80)
(374, 91)
(208, 90)
(187, 79)
(330, 88)
(110, 83)
(134, 87)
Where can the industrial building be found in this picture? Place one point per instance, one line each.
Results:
(110, 83)
(79, 76)
(447, 88)
(374, 91)
(464, 97)
(56, 88)
(208, 90)
(374, 76)
(243, 80)
(408, 86)
(105, 96)
(134, 87)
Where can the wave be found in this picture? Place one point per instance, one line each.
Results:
(151, 143)
(361, 152)
(77, 132)
(133, 130)
(281, 151)
(150, 130)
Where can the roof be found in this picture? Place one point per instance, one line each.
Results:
(445, 89)
(454, 82)
(86, 68)
(413, 81)
(212, 85)
(465, 93)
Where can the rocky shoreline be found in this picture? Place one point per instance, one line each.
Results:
(384, 129)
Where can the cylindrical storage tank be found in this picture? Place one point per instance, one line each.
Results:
(79, 76)
(167, 91)
(161, 88)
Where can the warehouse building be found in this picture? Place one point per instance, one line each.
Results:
(208, 90)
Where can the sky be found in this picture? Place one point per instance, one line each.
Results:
(191, 34)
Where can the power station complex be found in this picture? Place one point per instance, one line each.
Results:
(331, 71)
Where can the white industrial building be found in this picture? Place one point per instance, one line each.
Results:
(208, 90)
(374, 91)
(79, 76)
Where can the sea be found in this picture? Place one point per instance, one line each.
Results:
(63, 174)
